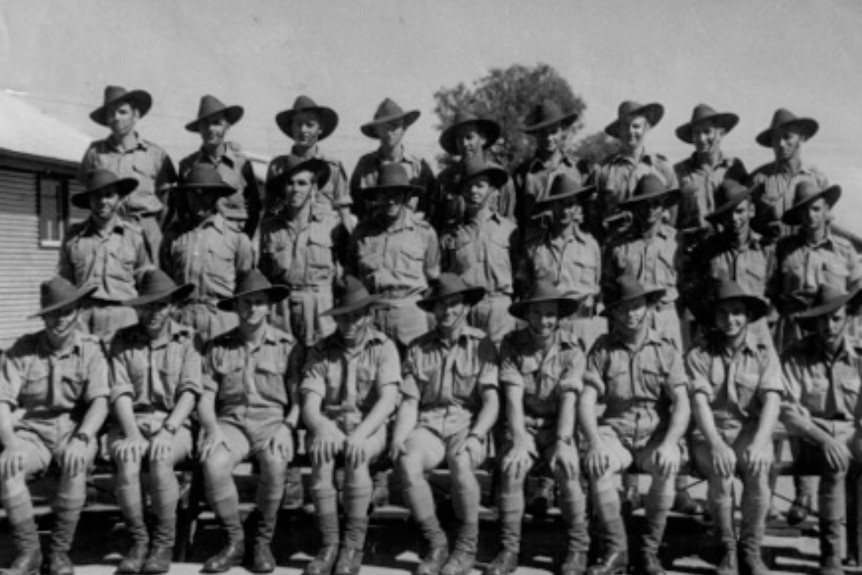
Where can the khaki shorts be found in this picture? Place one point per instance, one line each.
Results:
(437, 447)
(623, 453)
(248, 438)
(47, 439)
(183, 442)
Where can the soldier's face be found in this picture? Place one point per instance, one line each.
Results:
(252, 309)
(633, 131)
(392, 203)
(567, 212)
(477, 191)
(706, 137)
(787, 143)
(121, 118)
(352, 325)
(831, 327)
(154, 316)
(630, 315)
(550, 138)
(542, 318)
(390, 133)
(299, 189)
(306, 128)
(214, 129)
(104, 204)
(739, 218)
(201, 204)
(469, 141)
(61, 322)
(731, 317)
(649, 212)
(815, 216)
(450, 311)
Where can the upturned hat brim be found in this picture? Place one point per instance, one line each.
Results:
(807, 126)
(364, 303)
(806, 318)
(792, 216)
(407, 188)
(232, 114)
(496, 175)
(409, 118)
(566, 120)
(175, 294)
(669, 196)
(124, 187)
(327, 116)
(216, 189)
(726, 207)
(757, 307)
(472, 295)
(141, 100)
(652, 112)
(726, 120)
(276, 293)
(316, 165)
(566, 306)
(83, 292)
(489, 128)
(652, 295)
(580, 192)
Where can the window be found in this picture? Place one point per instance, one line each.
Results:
(53, 211)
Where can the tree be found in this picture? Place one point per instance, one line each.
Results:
(595, 148)
(506, 96)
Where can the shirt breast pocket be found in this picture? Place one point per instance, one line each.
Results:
(231, 387)
(836, 273)
(746, 389)
(320, 249)
(72, 388)
(619, 384)
(651, 388)
(35, 386)
(270, 376)
(466, 372)
(220, 269)
(411, 258)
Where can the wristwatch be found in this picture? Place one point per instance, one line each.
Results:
(169, 427)
(566, 440)
(82, 437)
(477, 436)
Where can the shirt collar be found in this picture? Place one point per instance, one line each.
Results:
(46, 349)
(140, 144)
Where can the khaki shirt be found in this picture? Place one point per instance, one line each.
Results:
(699, 182)
(366, 172)
(481, 252)
(534, 177)
(155, 373)
(400, 259)
(211, 255)
(265, 376)
(351, 379)
(572, 263)
(735, 383)
(109, 259)
(544, 376)
(801, 268)
(46, 382)
(146, 162)
(335, 193)
(653, 261)
(635, 385)
(774, 188)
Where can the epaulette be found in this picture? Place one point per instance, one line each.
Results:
(233, 146)
(281, 336)
(150, 144)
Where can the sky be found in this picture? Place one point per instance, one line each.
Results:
(736, 55)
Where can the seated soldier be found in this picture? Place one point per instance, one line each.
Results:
(449, 405)
(735, 419)
(58, 379)
(248, 409)
(823, 375)
(635, 372)
(350, 388)
(157, 380)
(541, 370)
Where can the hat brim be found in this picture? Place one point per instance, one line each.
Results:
(215, 189)
(232, 114)
(793, 216)
(409, 118)
(356, 306)
(328, 120)
(669, 196)
(715, 215)
(124, 187)
(566, 120)
(176, 294)
(807, 126)
(551, 200)
(757, 307)
(276, 293)
(565, 306)
(472, 296)
(489, 128)
(495, 174)
(316, 165)
(726, 120)
(141, 100)
(807, 318)
(652, 112)
(410, 189)
(82, 293)
(653, 295)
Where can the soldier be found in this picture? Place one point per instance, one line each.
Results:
(823, 374)
(349, 389)
(700, 174)
(634, 372)
(449, 405)
(58, 379)
(214, 120)
(104, 251)
(395, 254)
(736, 391)
(302, 248)
(617, 177)
(776, 182)
(388, 126)
(209, 253)
(307, 124)
(156, 383)
(469, 136)
(483, 247)
(541, 370)
(549, 125)
(249, 408)
(128, 155)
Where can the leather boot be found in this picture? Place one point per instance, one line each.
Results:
(229, 556)
(263, 560)
(349, 561)
(830, 547)
(504, 563)
(323, 563)
(133, 562)
(28, 558)
(650, 564)
(727, 564)
(613, 563)
(158, 561)
(460, 562)
(433, 560)
(62, 535)
(59, 563)
(575, 563)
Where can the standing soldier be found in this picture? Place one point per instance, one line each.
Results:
(395, 254)
(128, 155)
(701, 173)
(736, 391)
(156, 383)
(307, 124)
(301, 248)
(58, 379)
(214, 120)
(249, 408)
(106, 252)
(823, 373)
(549, 125)
(481, 249)
(349, 389)
(635, 372)
(449, 405)
(210, 253)
(541, 371)
(388, 126)
(618, 176)
(776, 182)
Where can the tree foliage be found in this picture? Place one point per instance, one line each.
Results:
(595, 147)
(506, 96)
